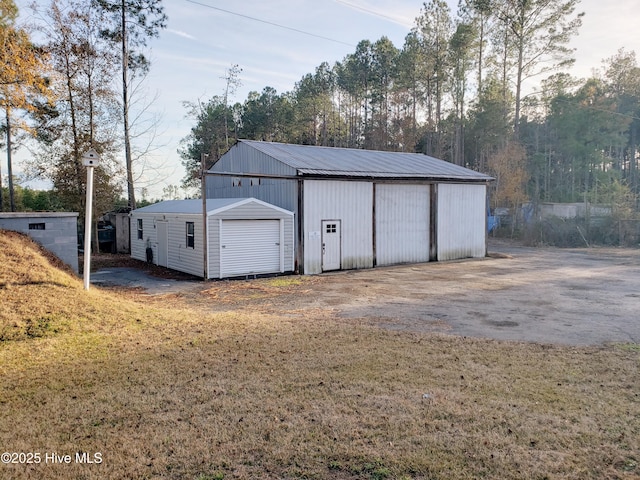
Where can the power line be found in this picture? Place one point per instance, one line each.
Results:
(269, 23)
(372, 12)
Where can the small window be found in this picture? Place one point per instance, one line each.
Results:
(36, 226)
(332, 228)
(140, 232)
(255, 182)
(191, 238)
(237, 182)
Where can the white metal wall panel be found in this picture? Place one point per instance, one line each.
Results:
(461, 221)
(249, 247)
(351, 203)
(402, 224)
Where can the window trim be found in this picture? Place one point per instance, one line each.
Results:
(190, 241)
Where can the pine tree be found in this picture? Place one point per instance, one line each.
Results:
(132, 23)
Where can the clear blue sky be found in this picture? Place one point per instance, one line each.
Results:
(201, 43)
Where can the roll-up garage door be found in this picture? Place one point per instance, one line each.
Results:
(249, 247)
(402, 223)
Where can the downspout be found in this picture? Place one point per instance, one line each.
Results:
(373, 219)
(486, 220)
(300, 247)
(203, 194)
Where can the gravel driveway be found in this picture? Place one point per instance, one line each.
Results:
(586, 296)
(545, 295)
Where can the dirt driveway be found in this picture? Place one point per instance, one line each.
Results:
(575, 297)
(546, 295)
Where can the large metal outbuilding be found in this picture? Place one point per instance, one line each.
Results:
(361, 208)
(245, 237)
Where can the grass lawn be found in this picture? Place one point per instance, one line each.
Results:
(152, 389)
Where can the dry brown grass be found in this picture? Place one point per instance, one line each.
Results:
(176, 393)
(260, 291)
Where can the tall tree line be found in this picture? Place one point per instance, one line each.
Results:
(460, 89)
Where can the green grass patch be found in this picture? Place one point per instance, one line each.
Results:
(629, 347)
(286, 281)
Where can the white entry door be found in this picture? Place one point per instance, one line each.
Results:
(163, 243)
(331, 245)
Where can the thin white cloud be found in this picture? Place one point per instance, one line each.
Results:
(180, 33)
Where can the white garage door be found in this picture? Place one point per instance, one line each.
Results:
(402, 224)
(249, 247)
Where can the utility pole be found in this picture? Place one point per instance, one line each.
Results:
(203, 194)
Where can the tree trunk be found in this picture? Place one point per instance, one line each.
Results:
(12, 201)
(516, 121)
(1, 192)
(125, 108)
(480, 53)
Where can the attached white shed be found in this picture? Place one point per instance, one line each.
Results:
(245, 236)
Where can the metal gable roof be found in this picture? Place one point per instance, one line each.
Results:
(189, 206)
(194, 207)
(333, 161)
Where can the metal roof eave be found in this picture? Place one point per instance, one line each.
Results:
(480, 177)
(355, 176)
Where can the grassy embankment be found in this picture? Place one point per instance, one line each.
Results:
(175, 392)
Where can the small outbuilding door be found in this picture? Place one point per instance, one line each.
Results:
(163, 243)
(331, 249)
(249, 247)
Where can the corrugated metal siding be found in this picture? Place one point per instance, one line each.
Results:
(402, 223)
(250, 247)
(350, 202)
(282, 193)
(243, 158)
(461, 221)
